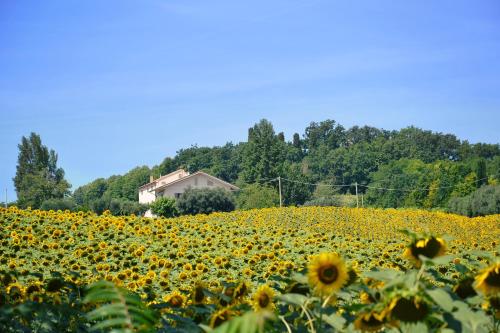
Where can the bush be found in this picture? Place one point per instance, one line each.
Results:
(59, 204)
(323, 201)
(205, 201)
(117, 206)
(257, 196)
(484, 201)
(165, 207)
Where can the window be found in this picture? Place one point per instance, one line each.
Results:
(210, 183)
(196, 182)
(177, 195)
(160, 194)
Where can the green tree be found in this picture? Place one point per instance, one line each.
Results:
(257, 196)
(205, 201)
(263, 154)
(483, 201)
(37, 176)
(164, 207)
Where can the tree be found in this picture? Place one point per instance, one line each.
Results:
(257, 196)
(205, 201)
(263, 154)
(483, 201)
(37, 176)
(59, 204)
(164, 207)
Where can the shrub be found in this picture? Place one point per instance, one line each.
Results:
(117, 206)
(257, 196)
(165, 207)
(59, 204)
(484, 201)
(323, 201)
(205, 201)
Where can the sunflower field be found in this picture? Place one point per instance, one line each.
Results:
(306, 269)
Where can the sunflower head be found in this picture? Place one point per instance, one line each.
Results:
(198, 293)
(430, 247)
(175, 299)
(488, 280)
(220, 317)
(464, 288)
(241, 290)
(262, 300)
(408, 309)
(327, 273)
(370, 321)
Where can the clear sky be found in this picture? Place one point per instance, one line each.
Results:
(111, 85)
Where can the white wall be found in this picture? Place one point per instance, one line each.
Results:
(196, 181)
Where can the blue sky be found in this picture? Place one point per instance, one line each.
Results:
(111, 85)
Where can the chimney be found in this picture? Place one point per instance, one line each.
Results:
(151, 178)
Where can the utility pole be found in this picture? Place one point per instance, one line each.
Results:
(362, 204)
(5, 197)
(357, 199)
(279, 186)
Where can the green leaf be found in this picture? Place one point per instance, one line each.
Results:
(441, 298)
(250, 322)
(441, 260)
(110, 323)
(294, 299)
(335, 321)
(300, 278)
(383, 275)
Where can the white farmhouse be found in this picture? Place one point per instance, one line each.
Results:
(175, 183)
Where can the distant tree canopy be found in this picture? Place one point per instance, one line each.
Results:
(37, 176)
(440, 165)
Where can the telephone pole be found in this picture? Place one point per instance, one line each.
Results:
(357, 199)
(5, 197)
(279, 186)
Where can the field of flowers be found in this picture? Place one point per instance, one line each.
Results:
(308, 269)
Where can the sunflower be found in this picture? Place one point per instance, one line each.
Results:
(327, 273)
(220, 317)
(410, 309)
(488, 281)
(465, 288)
(370, 321)
(262, 300)
(175, 299)
(431, 247)
(198, 293)
(241, 290)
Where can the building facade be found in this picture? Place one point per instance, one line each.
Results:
(175, 183)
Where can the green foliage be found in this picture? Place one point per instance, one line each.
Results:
(59, 204)
(37, 176)
(118, 310)
(323, 202)
(483, 201)
(257, 196)
(263, 154)
(164, 207)
(205, 201)
(442, 166)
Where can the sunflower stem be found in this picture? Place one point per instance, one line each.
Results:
(320, 322)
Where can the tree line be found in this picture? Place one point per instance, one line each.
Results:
(410, 167)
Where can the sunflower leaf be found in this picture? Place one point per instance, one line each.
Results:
(441, 298)
(294, 299)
